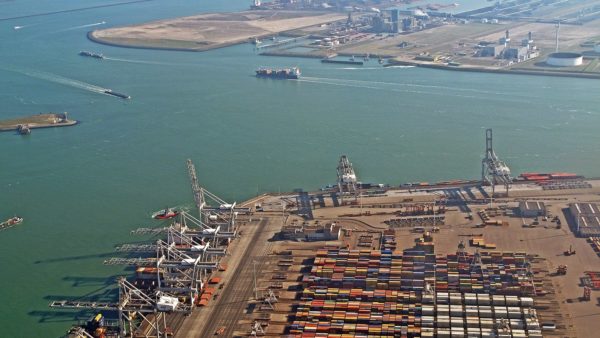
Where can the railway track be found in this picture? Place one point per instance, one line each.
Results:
(239, 289)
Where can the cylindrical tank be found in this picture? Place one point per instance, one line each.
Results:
(565, 59)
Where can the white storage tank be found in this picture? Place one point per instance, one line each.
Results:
(565, 59)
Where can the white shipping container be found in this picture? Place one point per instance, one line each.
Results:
(443, 333)
(486, 323)
(472, 322)
(512, 300)
(526, 301)
(498, 300)
(483, 299)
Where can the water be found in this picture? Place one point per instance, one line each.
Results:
(82, 189)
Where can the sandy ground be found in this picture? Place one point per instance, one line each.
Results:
(207, 31)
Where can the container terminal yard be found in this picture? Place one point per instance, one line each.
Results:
(502, 256)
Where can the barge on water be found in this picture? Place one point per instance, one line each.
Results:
(117, 94)
(285, 73)
(92, 54)
(343, 62)
(11, 222)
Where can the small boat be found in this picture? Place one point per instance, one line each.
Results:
(165, 213)
(23, 129)
(11, 222)
(113, 93)
(352, 58)
(17, 27)
(381, 61)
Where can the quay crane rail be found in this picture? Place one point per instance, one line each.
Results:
(493, 170)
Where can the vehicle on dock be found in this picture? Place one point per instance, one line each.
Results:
(91, 54)
(166, 213)
(285, 73)
(11, 222)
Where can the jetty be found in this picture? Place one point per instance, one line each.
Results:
(46, 120)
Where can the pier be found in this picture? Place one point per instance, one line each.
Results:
(48, 120)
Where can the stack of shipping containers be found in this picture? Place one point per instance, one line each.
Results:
(361, 293)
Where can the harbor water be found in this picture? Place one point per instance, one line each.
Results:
(82, 189)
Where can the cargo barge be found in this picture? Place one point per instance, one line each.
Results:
(117, 94)
(91, 54)
(285, 73)
(11, 222)
(343, 62)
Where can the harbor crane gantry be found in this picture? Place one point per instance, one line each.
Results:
(212, 210)
(346, 179)
(493, 170)
(137, 310)
(181, 272)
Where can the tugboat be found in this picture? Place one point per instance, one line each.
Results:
(166, 213)
(91, 54)
(286, 73)
(11, 222)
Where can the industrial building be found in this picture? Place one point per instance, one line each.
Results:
(503, 49)
(309, 233)
(565, 59)
(491, 50)
(586, 219)
(532, 208)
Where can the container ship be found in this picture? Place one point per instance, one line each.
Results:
(286, 73)
(91, 54)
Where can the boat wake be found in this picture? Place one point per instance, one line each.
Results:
(60, 80)
(142, 62)
(83, 26)
(401, 87)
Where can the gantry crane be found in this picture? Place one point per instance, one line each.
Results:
(493, 170)
(139, 313)
(346, 179)
(212, 210)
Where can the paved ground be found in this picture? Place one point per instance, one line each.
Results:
(238, 279)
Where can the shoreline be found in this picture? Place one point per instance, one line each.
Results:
(91, 37)
(489, 70)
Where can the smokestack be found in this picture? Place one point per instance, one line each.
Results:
(557, 29)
